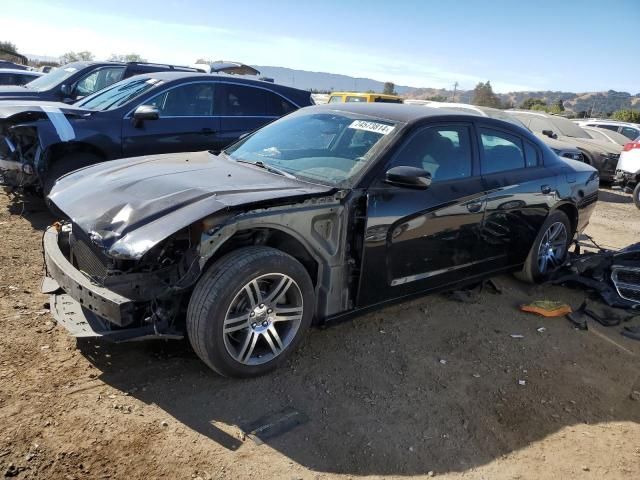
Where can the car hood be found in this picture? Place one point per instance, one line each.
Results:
(593, 144)
(127, 206)
(11, 108)
(556, 144)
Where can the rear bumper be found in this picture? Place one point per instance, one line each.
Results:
(90, 296)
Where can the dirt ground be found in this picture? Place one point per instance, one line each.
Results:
(429, 388)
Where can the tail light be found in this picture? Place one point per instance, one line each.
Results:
(631, 146)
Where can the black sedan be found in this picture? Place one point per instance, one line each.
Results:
(325, 213)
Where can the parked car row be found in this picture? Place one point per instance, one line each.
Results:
(13, 76)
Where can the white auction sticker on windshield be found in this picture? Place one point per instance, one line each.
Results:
(372, 127)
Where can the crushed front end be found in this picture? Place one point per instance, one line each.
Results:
(20, 153)
(93, 294)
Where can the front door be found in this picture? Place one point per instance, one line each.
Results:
(417, 240)
(187, 123)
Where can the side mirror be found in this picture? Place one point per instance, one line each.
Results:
(66, 90)
(549, 133)
(145, 112)
(410, 177)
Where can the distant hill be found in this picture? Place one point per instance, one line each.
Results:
(602, 102)
(323, 81)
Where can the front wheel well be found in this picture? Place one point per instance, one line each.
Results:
(274, 238)
(60, 150)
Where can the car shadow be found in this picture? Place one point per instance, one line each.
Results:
(29, 206)
(432, 385)
(611, 196)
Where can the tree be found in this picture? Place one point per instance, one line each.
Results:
(75, 57)
(8, 47)
(389, 88)
(529, 103)
(128, 57)
(560, 105)
(437, 98)
(627, 115)
(483, 95)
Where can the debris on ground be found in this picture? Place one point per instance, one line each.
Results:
(547, 308)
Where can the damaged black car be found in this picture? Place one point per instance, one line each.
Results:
(160, 112)
(328, 212)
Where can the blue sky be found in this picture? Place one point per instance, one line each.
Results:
(519, 45)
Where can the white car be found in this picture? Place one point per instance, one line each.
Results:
(629, 130)
(628, 170)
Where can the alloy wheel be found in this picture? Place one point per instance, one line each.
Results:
(263, 318)
(553, 247)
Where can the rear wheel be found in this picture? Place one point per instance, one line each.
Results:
(249, 311)
(549, 251)
(636, 195)
(66, 164)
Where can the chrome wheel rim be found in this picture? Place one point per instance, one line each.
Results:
(263, 319)
(553, 247)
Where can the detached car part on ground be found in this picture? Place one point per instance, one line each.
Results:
(329, 212)
(146, 114)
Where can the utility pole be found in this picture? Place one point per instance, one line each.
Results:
(455, 88)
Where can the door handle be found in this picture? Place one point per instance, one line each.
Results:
(546, 189)
(474, 207)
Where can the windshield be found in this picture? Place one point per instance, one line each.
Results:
(54, 77)
(324, 147)
(568, 128)
(119, 93)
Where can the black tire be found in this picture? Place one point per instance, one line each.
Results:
(215, 295)
(636, 195)
(67, 164)
(531, 271)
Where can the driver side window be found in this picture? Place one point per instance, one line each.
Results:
(443, 151)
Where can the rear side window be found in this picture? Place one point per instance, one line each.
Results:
(335, 99)
(630, 133)
(278, 106)
(501, 151)
(240, 101)
(353, 98)
(613, 128)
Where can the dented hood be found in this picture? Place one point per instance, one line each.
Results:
(127, 206)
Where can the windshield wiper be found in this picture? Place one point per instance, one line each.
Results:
(267, 167)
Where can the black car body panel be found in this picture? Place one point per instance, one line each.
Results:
(35, 134)
(364, 244)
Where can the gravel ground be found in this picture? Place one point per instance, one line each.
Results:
(429, 388)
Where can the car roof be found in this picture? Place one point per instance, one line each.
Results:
(611, 122)
(172, 76)
(384, 95)
(21, 72)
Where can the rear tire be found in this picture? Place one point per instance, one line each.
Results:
(249, 311)
(636, 195)
(549, 250)
(66, 164)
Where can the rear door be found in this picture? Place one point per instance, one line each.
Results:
(519, 194)
(187, 123)
(245, 108)
(418, 240)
